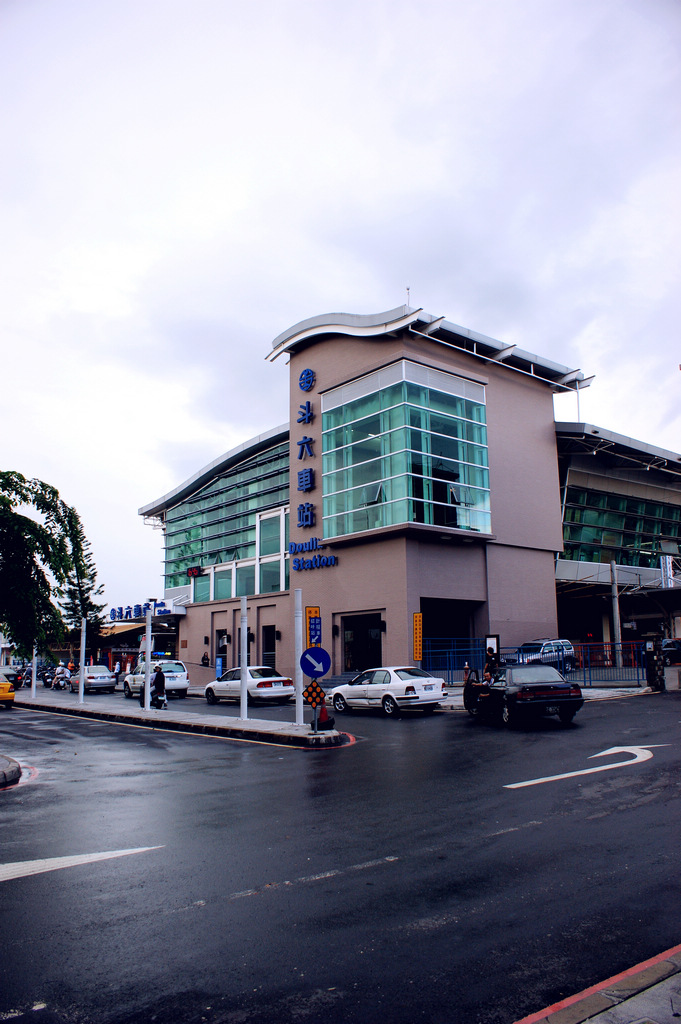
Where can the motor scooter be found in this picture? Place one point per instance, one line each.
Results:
(61, 679)
(156, 700)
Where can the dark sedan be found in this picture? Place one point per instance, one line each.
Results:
(523, 691)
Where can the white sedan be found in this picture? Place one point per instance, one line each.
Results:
(392, 689)
(264, 685)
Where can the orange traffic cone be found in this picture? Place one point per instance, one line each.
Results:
(325, 721)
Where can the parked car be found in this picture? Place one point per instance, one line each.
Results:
(671, 652)
(95, 677)
(177, 678)
(6, 691)
(264, 685)
(559, 653)
(524, 691)
(10, 675)
(394, 689)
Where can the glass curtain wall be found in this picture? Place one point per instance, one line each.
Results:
(405, 444)
(603, 527)
(217, 527)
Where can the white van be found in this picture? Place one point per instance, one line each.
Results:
(177, 678)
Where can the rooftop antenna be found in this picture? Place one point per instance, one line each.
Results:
(408, 303)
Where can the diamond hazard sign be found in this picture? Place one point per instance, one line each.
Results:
(314, 695)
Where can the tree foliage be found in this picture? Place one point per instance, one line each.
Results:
(77, 597)
(39, 546)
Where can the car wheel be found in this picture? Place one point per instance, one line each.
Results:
(390, 705)
(508, 716)
(470, 702)
(566, 716)
(72, 688)
(127, 692)
(339, 703)
(210, 696)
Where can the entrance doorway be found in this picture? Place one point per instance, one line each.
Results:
(361, 641)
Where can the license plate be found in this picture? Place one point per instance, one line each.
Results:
(552, 710)
(277, 684)
(429, 686)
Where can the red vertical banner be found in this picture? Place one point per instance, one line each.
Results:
(418, 636)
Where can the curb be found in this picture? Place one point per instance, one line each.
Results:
(10, 771)
(286, 735)
(598, 999)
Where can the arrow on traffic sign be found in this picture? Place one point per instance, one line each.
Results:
(639, 754)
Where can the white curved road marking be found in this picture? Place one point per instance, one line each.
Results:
(639, 754)
(20, 869)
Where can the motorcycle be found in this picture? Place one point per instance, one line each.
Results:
(48, 678)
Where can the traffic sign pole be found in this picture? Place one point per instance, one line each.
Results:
(298, 640)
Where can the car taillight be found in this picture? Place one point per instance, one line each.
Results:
(575, 691)
(410, 689)
(263, 685)
(11, 687)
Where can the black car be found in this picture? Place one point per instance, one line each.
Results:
(671, 652)
(524, 691)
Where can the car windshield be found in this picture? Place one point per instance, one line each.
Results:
(264, 673)
(543, 674)
(411, 673)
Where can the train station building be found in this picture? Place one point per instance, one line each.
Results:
(421, 473)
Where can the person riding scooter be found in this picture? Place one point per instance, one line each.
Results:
(61, 677)
(158, 690)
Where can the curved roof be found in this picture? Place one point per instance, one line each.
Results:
(437, 329)
(256, 444)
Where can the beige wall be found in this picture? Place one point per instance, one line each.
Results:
(509, 577)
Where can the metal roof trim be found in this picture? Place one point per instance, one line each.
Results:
(218, 465)
(593, 433)
(436, 329)
(354, 324)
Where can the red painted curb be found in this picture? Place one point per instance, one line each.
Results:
(571, 1000)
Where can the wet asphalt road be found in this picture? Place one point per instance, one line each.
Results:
(392, 879)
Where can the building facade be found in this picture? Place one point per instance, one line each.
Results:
(421, 473)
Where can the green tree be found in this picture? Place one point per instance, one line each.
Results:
(78, 596)
(36, 555)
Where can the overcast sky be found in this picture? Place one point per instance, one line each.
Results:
(182, 180)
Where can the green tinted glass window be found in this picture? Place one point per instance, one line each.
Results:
(245, 580)
(269, 536)
(223, 585)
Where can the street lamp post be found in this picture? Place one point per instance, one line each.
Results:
(147, 654)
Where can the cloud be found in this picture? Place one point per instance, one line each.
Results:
(183, 182)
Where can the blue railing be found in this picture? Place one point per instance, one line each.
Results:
(607, 664)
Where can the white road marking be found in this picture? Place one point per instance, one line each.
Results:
(640, 754)
(306, 879)
(21, 869)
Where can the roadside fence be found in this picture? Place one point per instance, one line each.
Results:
(605, 664)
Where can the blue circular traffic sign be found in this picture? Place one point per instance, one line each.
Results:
(315, 662)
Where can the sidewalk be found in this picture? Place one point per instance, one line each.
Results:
(649, 993)
(179, 717)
